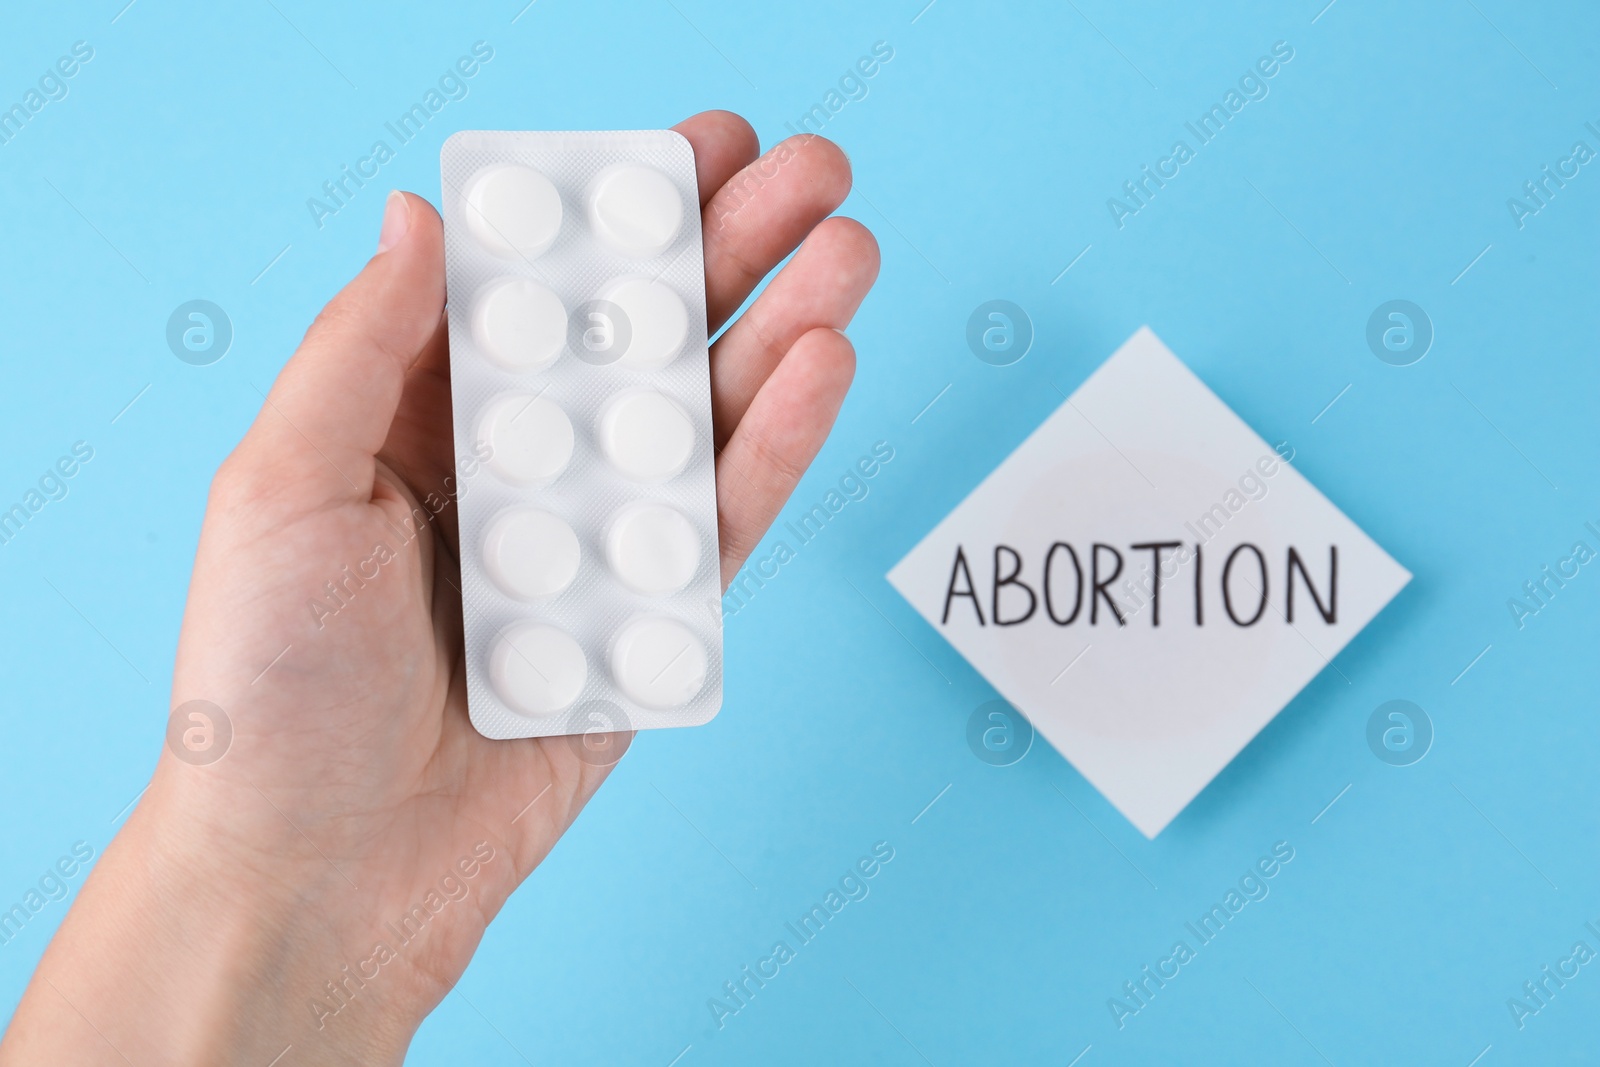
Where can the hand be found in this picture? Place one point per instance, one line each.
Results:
(243, 894)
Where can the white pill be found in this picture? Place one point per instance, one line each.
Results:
(652, 549)
(658, 663)
(513, 211)
(519, 324)
(537, 669)
(646, 436)
(658, 323)
(528, 438)
(636, 210)
(530, 553)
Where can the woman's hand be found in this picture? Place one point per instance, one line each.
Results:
(322, 886)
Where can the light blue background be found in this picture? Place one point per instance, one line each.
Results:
(179, 166)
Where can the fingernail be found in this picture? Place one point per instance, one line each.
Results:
(396, 221)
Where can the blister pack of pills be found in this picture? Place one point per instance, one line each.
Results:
(579, 367)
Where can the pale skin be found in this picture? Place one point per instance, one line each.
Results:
(354, 782)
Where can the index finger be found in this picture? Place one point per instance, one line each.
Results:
(723, 145)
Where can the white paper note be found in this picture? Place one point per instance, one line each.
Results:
(1222, 583)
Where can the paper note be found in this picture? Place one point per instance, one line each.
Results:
(1148, 581)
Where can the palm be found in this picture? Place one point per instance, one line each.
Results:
(353, 753)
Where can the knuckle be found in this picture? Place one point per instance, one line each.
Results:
(334, 317)
(737, 541)
(234, 485)
(242, 483)
(769, 456)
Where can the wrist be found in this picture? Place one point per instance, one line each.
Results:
(187, 946)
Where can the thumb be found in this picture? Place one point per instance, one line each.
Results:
(330, 409)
